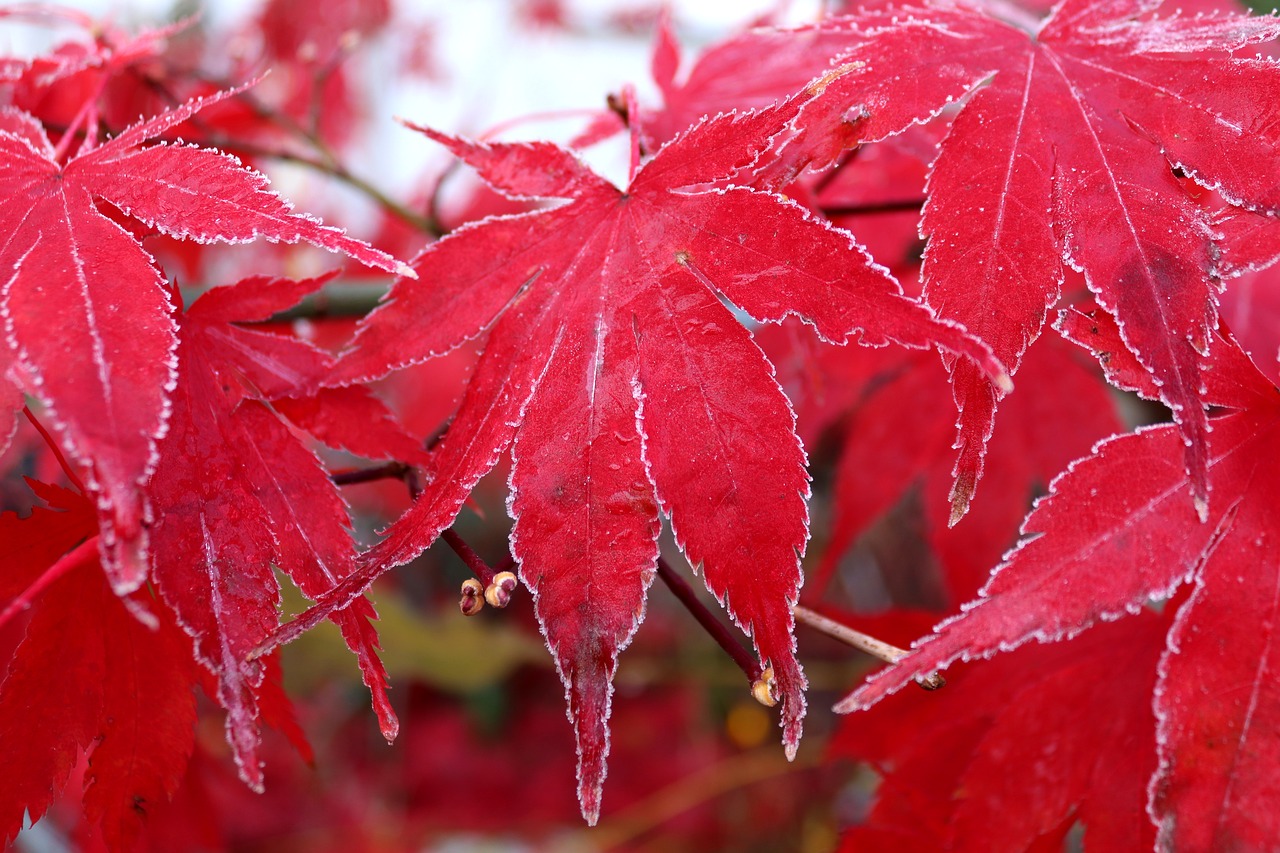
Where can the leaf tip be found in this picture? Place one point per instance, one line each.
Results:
(961, 494)
(590, 807)
(405, 271)
(390, 726)
(847, 705)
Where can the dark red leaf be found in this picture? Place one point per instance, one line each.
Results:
(1096, 552)
(88, 678)
(238, 495)
(1014, 751)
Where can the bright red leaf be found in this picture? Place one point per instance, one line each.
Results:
(1094, 551)
(239, 495)
(628, 387)
(86, 318)
(1067, 155)
(87, 678)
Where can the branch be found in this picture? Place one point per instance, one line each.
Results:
(388, 471)
(760, 678)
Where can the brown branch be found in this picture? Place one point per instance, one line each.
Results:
(57, 451)
(388, 471)
(713, 626)
(863, 642)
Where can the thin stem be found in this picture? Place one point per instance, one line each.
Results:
(863, 642)
(336, 170)
(326, 161)
(388, 471)
(74, 558)
(868, 209)
(713, 626)
(57, 451)
(482, 570)
(687, 793)
(831, 174)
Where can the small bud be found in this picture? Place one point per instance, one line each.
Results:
(762, 690)
(498, 593)
(472, 601)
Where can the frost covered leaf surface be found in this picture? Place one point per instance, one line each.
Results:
(84, 312)
(1067, 155)
(627, 388)
(1095, 552)
(238, 495)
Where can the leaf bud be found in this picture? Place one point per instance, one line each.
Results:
(472, 601)
(498, 593)
(763, 689)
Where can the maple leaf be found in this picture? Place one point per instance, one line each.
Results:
(85, 316)
(237, 494)
(1117, 530)
(1066, 155)
(88, 677)
(1018, 749)
(625, 387)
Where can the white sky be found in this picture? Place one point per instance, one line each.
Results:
(495, 71)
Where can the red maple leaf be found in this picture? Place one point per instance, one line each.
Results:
(1017, 750)
(1116, 530)
(87, 678)
(626, 388)
(237, 495)
(86, 318)
(1067, 155)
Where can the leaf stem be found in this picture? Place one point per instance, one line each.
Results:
(482, 570)
(57, 451)
(496, 584)
(325, 160)
(73, 559)
(863, 642)
(713, 626)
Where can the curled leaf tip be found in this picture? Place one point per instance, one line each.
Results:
(960, 497)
